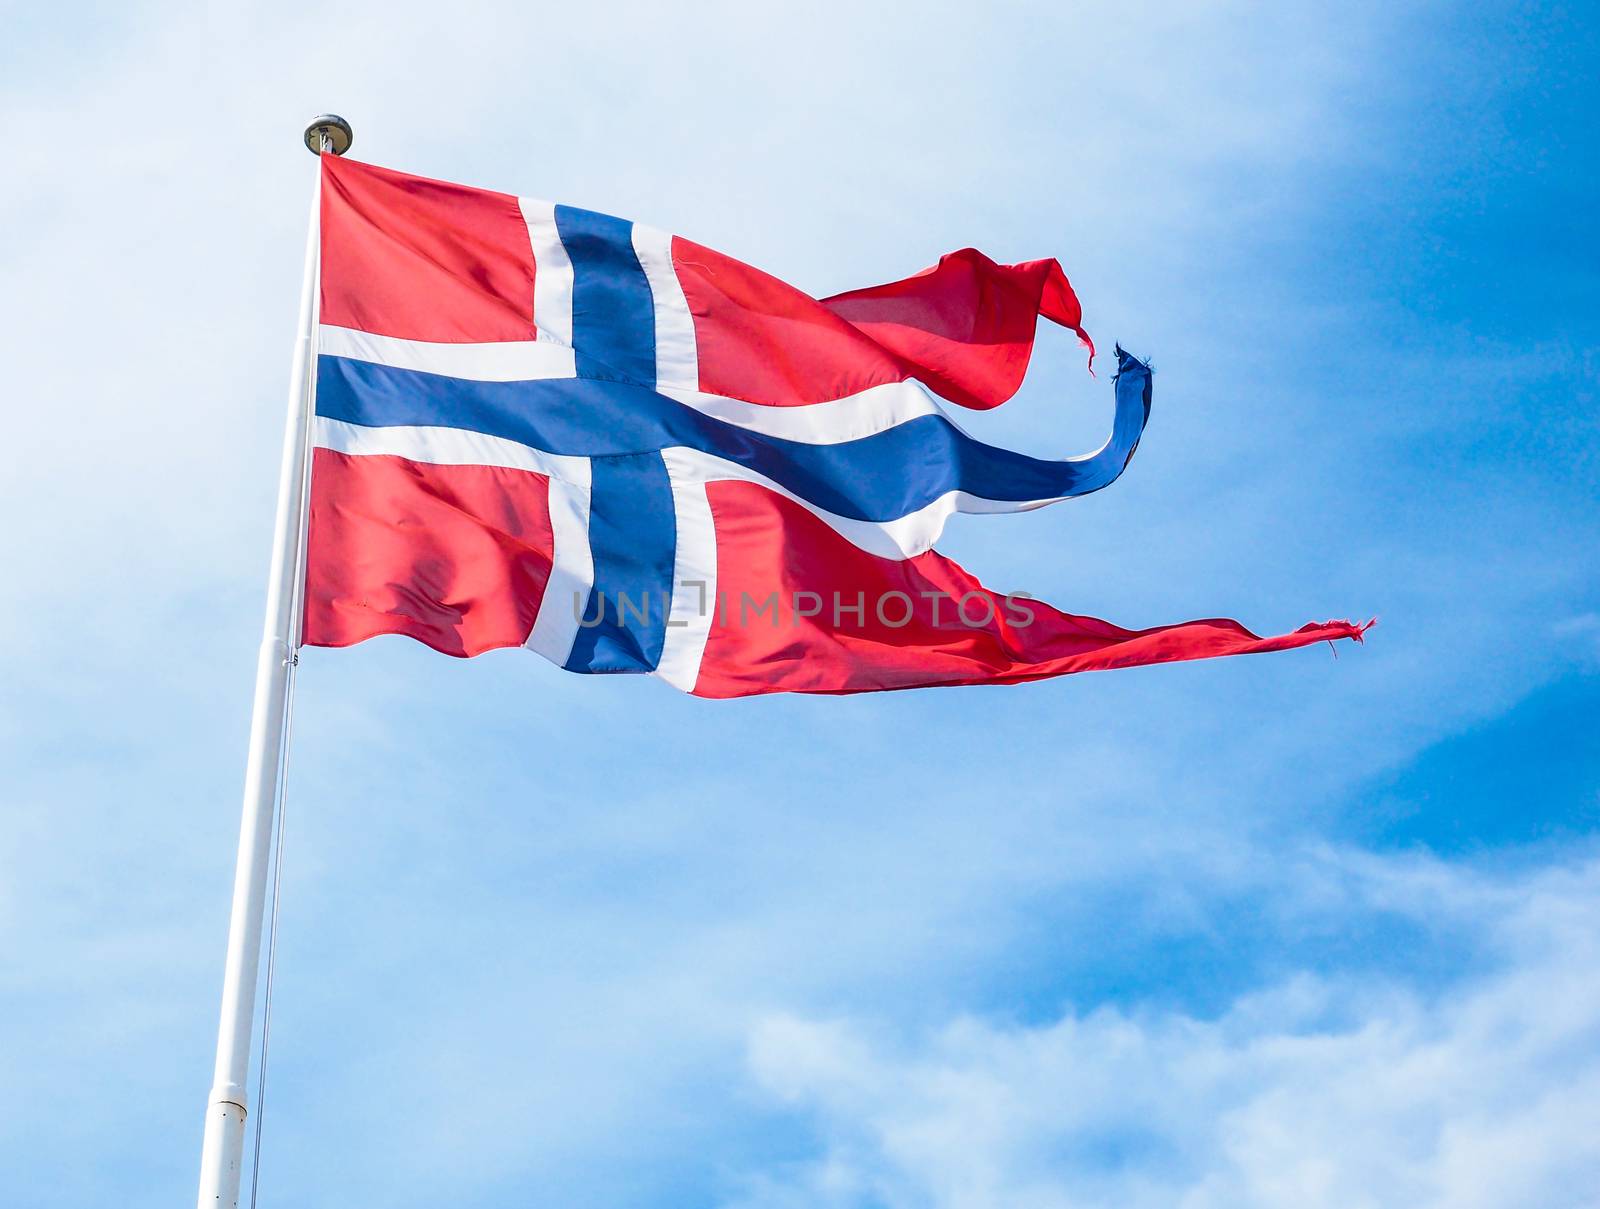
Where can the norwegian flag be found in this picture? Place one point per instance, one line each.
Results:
(541, 426)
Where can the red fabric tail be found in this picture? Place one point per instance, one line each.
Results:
(801, 610)
(965, 327)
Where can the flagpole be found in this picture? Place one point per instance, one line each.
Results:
(222, 1155)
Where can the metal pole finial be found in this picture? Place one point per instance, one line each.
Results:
(329, 132)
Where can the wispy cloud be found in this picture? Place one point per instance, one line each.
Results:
(1317, 1091)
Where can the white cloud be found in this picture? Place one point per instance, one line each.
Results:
(1338, 1092)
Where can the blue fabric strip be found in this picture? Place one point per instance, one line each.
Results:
(613, 311)
(632, 535)
(878, 478)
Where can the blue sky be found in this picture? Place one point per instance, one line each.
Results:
(1278, 931)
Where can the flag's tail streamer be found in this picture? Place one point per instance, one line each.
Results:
(965, 328)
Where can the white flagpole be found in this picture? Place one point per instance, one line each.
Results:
(222, 1156)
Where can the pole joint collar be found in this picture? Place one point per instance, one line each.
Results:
(230, 1093)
